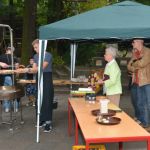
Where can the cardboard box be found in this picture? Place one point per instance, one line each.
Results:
(92, 147)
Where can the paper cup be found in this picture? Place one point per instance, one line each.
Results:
(104, 106)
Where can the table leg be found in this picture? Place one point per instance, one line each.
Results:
(87, 146)
(11, 121)
(21, 117)
(76, 131)
(69, 119)
(120, 146)
(148, 144)
(1, 112)
(11, 115)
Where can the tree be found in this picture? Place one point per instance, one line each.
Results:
(36, 13)
(73, 7)
(146, 2)
(29, 29)
(55, 10)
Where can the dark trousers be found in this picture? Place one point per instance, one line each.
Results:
(135, 100)
(141, 102)
(48, 96)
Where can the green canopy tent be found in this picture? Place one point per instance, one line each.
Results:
(125, 20)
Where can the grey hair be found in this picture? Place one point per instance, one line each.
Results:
(112, 51)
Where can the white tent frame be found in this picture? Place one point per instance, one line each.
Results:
(42, 49)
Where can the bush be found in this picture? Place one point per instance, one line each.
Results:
(57, 60)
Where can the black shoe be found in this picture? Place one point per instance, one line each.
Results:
(48, 128)
(42, 124)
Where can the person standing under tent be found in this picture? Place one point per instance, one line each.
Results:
(112, 76)
(140, 66)
(134, 87)
(48, 91)
(7, 79)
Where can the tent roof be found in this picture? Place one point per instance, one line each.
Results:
(123, 20)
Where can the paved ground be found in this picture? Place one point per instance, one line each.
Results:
(24, 136)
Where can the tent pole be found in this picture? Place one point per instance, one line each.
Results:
(39, 91)
(71, 54)
(74, 57)
(42, 48)
(71, 61)
(12, 54)
(73, 48)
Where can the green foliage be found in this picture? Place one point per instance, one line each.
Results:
(66, 57)
(19, 6)
(93, 4)
(146, 2)
(52, 10)
(85, 52)
(57, 60)
(73, 8)
(16, 8)
(42, 12)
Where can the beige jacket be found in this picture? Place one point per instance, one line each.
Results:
(143, 67)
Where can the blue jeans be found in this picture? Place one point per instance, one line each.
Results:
(146, 100)
(141, 102)
(6, 103)
(134, 100)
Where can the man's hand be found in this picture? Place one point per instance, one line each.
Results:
(20, 70)
(4, 65)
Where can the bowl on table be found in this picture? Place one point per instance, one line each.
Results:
(108, 120)
(96, 112)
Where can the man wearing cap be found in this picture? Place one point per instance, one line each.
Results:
(139, 65)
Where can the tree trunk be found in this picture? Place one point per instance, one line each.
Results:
(29, 29)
